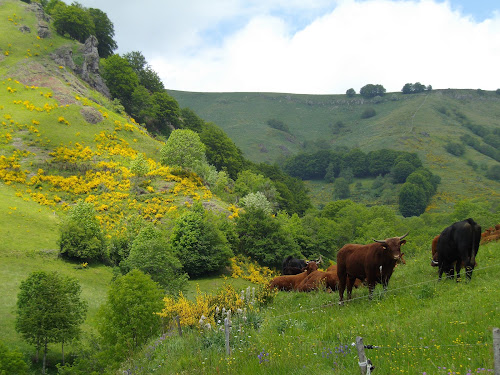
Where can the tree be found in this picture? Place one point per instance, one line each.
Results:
(147, 76)
(183, 149)
(350, 93)
(120, 79)
(341, 188)
(199, 244)
(74, 21)
(493, 172)
(455, 148)
(256, 201)
(165, 111)
(262, 237)
(11, 362)
(401, 171)
(81, 235)
(128, 317)
(412, 200)
(221, 151)
(104, 32)
(190, 120)
(139, 166)
(151, 253)
(370, 91)
(49, 310)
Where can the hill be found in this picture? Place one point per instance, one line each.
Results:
(423, 123)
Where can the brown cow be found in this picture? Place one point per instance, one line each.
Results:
(434, 261)
(290, 282)
(317, 278)
(375, 262)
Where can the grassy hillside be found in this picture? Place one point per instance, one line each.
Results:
(61, 141)
(421, 123)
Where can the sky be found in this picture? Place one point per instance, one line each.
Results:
(313, 46)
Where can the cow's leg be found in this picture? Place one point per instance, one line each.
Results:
(458, 265)
(371, 288)
(342, 282)
(350, 284)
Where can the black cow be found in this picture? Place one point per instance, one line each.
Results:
(458, 244)
(293, 266)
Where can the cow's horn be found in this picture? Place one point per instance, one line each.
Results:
(379, 241)
(404, 235)
(319, 260)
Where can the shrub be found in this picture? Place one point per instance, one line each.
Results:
(350, 92)
(151, 253)
(278, 124)
(199, 244)
(493, 172)
(368, 112)
(457, 149)
(81, 235)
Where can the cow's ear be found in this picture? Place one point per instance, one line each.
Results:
(402, 242)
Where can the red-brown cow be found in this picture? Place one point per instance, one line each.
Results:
(374, 262)
(290, 282)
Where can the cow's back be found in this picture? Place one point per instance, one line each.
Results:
(351, 260)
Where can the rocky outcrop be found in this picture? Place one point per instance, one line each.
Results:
(43, 20)
(88, 71)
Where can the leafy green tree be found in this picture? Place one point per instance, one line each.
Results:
(104, 31)
(120, 244)
(250, 182)
(278, 124)
(401, 171)
(330, 173)
(263, 238)
(221, 151)
(370, 91)
(356, 160)
(256, 201)
(381, 161)
(412, 200)
(341, 188)
(81, 235)
(141, 106)
(350, 92)
(54, 6)
(190, 120)
(127, 319)
(11, 362)
(183, 149)
(199, 243)
(151, 253)
(74, 21)
(120, 79)
(49, 310)
(147, 76)
(165, 111)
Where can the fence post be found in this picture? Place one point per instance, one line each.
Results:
(365, 364)
(496, 349)
(226, 330)
(178, 321)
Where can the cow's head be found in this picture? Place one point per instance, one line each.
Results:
(311, 266)
(393, 245)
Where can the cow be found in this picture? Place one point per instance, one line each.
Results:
(294, 266)
(317, 278)
(290, 282)
(374, 262)
(434, 261)
(457, 247)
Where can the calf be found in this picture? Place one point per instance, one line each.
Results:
(290, 282)
(374, 262)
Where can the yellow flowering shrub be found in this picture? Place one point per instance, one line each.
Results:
(245, 268)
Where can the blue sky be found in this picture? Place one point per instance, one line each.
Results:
(314, 46)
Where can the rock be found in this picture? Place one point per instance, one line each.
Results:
(24, 29)
(91, 115)
(43, 30)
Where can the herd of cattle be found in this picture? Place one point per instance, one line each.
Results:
(454, 248)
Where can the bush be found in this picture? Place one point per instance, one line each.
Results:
(199, 244)
(279, 125)
(412, 200)
(350, 93)
(151, 253)
(493, 172)
(81, 234)
(457, 149)
(368, 112)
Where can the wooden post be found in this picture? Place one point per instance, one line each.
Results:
(177, 319)
(226, 330)
(363, 365)
(496, 349)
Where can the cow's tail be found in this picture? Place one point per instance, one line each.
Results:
(473, 255)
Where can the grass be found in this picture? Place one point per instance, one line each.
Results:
(419, 326)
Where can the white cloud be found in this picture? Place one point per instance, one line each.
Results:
(255, 45)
